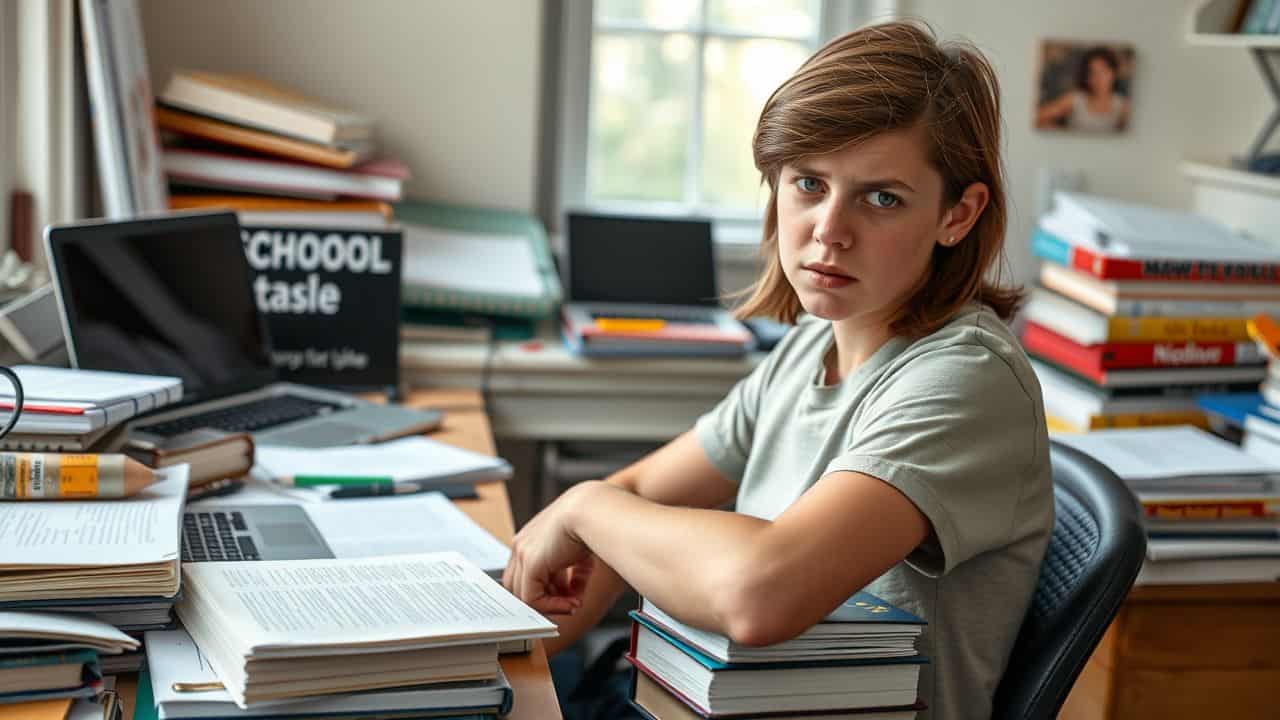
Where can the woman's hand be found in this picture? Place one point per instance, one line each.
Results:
(549, 565)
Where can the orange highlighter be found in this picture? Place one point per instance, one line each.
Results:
(622, 325)
(1266, 332)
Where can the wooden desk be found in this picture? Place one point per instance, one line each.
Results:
(466, 426)
(1185, 651)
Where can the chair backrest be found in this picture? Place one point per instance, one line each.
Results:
(1093, 558)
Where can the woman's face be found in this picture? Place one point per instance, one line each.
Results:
(1101, 77)
(857, 227)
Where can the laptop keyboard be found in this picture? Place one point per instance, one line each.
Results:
(248, 417)
(691, 315)
(216, 536)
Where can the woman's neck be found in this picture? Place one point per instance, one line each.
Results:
(855, 342)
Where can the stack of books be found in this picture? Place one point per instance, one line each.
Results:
(343, 633)
(1140, 309)
(114, 561)
(276, 156)
(75, 410)
(1211, 510)
(49, 658)
(859, 662)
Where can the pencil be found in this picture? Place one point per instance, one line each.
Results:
(68, 476)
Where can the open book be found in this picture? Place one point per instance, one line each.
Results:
(292, 629)
(94, 549)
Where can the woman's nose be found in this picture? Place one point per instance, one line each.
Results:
(833, 227)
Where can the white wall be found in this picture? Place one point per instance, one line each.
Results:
(1187, 101)
(453, 85)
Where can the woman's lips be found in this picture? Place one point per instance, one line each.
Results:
(826, 278)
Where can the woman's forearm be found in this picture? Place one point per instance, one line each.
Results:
(687, 561)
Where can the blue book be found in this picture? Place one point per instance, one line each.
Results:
(1230, 408)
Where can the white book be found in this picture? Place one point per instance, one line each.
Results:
(40, 632)
(1130, 230)
(1121, 297)
(1209, 570)
(1190, 549)
(1179, 451)
(278, 629)
(78, 402)
(279, 177)
(174, 658)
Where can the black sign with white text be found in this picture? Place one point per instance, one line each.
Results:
(331, 297)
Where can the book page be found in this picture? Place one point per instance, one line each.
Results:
(55, 626)
(404, 600)
(405, 526)
(472, 262)
(132, 531)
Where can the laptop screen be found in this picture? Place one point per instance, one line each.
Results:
(166, 296)
(662, 261)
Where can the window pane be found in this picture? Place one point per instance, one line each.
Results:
(741, 74)
(664, 14)
(779, 18)
(639, 127)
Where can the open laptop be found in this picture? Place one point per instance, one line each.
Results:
(251, 532)
(171, 295)
(644, 268)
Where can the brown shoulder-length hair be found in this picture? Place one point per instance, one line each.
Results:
(888, 77)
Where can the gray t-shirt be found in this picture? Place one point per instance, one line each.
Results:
(955, 422)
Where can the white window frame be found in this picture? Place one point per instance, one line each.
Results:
(8, 110)
(731, 228)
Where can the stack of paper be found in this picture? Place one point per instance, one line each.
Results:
(275, 630)
(53, 552)
(417, 460)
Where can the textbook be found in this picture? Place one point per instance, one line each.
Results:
(374, 179)
(439, 619)
(212, 129)
(1139, 297)
(173, 658)
(1116, 240)
(716, 688)
(1093, 361)
(1090, 327)
(260, 104)
(211, 454)
(864, 625)
(23, 633)
(74, 673)
(656, 701)
(61, 401)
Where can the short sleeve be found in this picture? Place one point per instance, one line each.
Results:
(956, 431)
(726, 431)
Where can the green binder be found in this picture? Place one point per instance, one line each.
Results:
(486, 221)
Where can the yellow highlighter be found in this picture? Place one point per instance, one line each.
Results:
(630, 324)
(1266, 332)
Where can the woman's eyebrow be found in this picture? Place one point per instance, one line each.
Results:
(888, 183)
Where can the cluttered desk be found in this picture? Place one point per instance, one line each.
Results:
(171, 478)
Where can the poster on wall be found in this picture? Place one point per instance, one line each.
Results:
(1085, 87)
(331, 297)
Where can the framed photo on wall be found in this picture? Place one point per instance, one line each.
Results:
(1084, 86)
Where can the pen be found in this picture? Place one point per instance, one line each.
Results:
(375, 490)
(313, 480)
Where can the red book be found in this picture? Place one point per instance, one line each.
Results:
(1109, 267)
(1093, 360)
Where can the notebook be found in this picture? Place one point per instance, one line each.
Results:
(418, 460)
(76, 402)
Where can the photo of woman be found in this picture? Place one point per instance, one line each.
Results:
(1084, 87)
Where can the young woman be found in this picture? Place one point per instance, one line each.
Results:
(1095, 104)
(894, 440)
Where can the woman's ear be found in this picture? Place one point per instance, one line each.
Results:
(959, 218)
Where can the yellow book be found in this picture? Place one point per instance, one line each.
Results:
(38, 710)
(1176, 329)
(1057, 424)
(1149, 419)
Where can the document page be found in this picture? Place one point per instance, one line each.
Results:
(133, 531)
(411, 459)
(406, 526)
(403, 600)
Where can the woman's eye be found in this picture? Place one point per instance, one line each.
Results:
(882, 199)
(808, 184)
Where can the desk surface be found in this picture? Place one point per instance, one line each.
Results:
(466, 426)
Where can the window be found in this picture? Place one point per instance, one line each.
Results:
(660, 98)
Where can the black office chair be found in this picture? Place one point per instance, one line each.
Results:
(1093, 558)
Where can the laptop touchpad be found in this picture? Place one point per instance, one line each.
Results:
(325, 433)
